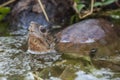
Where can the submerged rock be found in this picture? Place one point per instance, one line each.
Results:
(26, 11)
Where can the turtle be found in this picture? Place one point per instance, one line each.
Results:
(88, 37)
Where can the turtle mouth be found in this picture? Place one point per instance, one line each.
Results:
(37, 43)
(43, 52)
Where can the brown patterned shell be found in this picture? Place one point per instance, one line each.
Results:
(85, 36)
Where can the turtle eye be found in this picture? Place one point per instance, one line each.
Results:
(43, 30)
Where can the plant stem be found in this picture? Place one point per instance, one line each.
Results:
(6, 3)
(40, 3)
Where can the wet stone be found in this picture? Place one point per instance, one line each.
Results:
(0, 43)
(1, 50)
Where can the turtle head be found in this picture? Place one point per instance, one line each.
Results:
(38, 41)
(37, 29)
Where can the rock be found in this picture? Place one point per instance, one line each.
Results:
(0, 43)
(26, 11)
(1, 50)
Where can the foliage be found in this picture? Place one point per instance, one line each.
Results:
(104, 3)
(74, 19)
(82, 7)
(3, 12)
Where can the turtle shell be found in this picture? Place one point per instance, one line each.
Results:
(88, 36)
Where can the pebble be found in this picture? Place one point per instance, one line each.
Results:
(1, 50)
(0, 43)
(3, 78)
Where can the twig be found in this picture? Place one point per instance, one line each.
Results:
(117, 3)
(65, 70)
(88, 13)
(6, 3)
(40, 3)
(36, 76)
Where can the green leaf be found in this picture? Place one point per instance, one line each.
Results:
(2, 17)
(98, 4)
(72, 19)
(80, 7)
(107, 2)
(4, 10)
(77, 1)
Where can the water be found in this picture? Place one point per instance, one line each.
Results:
(16, 63)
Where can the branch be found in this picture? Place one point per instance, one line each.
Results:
(88, 13)
(40, 3)
(6, 3)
